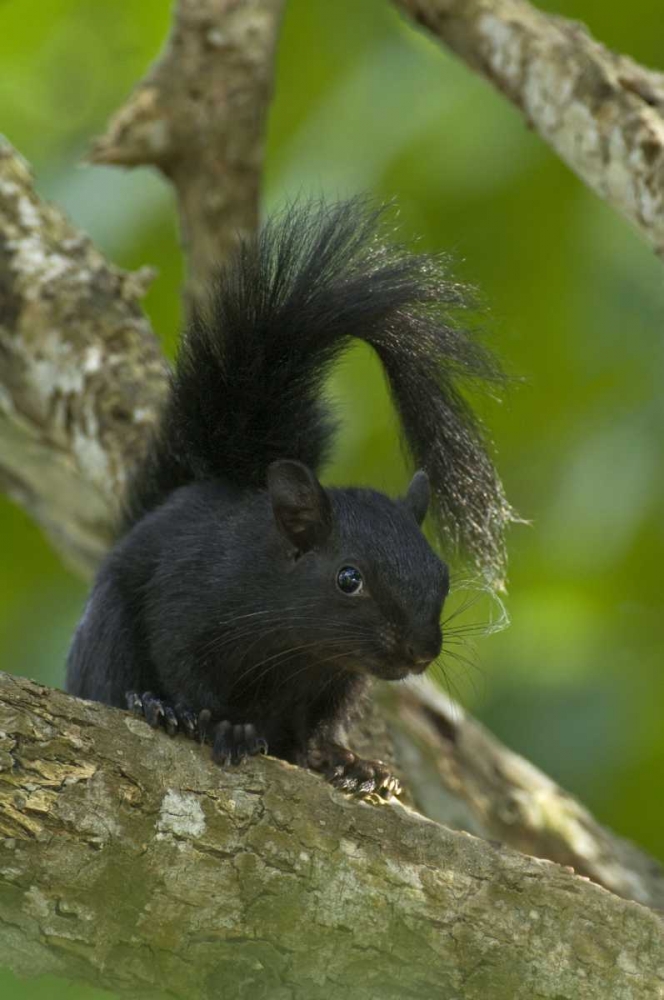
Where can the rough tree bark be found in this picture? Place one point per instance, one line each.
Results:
(601, 112)
(461, 775)
(199, 117)
(128, 860)
(81, 375)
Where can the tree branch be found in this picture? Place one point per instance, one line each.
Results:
(81, 374)
(603, 113)
(199, 117)
(83, 377)
(129, 861)
(461, 775)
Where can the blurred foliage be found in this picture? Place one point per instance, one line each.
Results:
(366, 103)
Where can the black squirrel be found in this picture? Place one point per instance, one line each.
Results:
(243, 602)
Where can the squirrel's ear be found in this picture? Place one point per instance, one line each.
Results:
(300, 504)
(418, 496)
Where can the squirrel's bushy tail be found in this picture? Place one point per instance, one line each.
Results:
(249, 378)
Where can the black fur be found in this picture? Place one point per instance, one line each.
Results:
(249, 381)
(221, 597)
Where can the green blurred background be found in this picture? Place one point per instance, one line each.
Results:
(365, 103)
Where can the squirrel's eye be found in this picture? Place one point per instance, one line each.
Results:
(349, 580)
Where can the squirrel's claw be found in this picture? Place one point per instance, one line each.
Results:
(234, 743)
(156, 712)
(350, 773)
(366, 776)
(231, 744)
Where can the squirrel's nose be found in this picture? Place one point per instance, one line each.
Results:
(421, 652)
(416, 655)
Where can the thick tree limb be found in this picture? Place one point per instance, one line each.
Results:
(81, 374)
(128, 860)
(199, 117)
(601, 112)
(453, 762)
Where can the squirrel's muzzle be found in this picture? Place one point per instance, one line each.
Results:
(421, 650)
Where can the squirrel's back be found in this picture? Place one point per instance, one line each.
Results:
(247, 388)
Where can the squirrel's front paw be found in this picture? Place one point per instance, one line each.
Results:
(231, 744)
(156, 712)
(350, 773)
